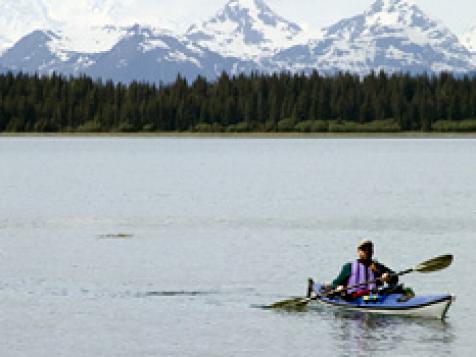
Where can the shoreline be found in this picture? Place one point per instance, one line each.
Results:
(257, 135)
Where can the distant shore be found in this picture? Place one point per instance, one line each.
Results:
(257, 135)
(269, 106)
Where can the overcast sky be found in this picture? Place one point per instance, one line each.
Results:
(459, 15)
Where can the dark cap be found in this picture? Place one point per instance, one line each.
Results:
(365, 244)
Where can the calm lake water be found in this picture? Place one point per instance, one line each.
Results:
(164, 247)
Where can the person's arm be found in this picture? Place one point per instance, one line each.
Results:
(382, 269)
(343, 277)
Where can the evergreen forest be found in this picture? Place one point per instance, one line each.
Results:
(255, 102)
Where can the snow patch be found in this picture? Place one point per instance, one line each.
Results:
(469, 39)
(150, 45)
(181, 57)
(122, 63)
(91, 39)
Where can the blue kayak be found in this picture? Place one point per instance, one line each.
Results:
(431, 306)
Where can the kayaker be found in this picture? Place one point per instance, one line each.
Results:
(364, 269)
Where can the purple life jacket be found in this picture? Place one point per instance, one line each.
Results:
(360, 274)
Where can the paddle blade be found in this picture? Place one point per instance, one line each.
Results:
(294, 303)
(435, 264)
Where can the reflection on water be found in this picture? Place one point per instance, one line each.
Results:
(363, 334)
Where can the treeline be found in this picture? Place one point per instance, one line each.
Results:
(245, 103)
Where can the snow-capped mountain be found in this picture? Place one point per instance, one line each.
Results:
(142, 53)
(247, 29)
(38, 52)
(155, 55)
(19, 17)
(87, 31)
(246, 35)
(393, 35)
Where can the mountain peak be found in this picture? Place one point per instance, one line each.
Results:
(246, 28)
(250, 6)
(391, 5)
(20, 17)
(401, 15)
(390, 35)
(254, 10)
(247, 4)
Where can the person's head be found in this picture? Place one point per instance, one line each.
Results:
(365, 250)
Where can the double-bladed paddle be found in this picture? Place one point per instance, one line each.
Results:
(428, 266)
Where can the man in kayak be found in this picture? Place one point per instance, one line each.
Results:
(364, 269)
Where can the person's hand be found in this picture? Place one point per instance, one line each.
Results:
(326, 288)
(374, 267)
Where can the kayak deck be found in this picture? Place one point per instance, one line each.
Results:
(431, 306)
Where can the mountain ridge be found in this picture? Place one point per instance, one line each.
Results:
(392, 35)
(246, 36)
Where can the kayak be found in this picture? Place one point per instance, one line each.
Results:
(429, 306)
